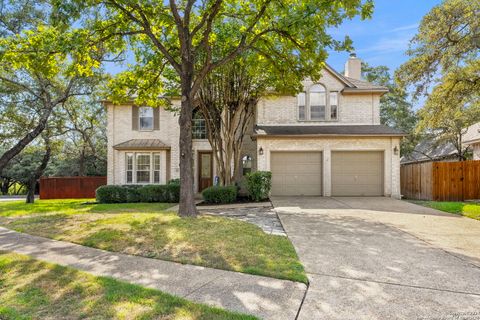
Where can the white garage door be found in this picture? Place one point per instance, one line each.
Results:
(296, 173)
(357, 173)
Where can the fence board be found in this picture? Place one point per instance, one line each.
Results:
(441, 181)
(416, 181)
(70, 187)
(471, 182)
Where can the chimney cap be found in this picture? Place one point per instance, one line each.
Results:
(353, 55)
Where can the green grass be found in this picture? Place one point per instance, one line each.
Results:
(471, 210)
(30, 289)
(74, 206)
(214, 242)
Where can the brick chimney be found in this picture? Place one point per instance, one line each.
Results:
(353, 67)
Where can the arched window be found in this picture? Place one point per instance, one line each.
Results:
(199, 127)
(246, 164)
(318, 102)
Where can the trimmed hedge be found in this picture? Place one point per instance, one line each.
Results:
(259, 184)
(220, 194)
(138, 193)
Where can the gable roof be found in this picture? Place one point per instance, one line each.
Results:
(473, 134)
(355, 85)
(365, 85)
(430, 150)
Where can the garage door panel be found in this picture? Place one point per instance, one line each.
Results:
(296, 173)
(357, 173)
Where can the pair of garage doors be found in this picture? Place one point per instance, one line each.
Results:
(354, 173)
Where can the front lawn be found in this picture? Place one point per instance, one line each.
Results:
(75, 206)
(208, 241)
(30, 289)
(471, 210)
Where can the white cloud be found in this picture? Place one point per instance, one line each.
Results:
(405, 28)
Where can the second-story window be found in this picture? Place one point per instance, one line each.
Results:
(318, 102)
(199, 126)
(313, 105)
(145, 117)
(301, 106)
(333, 105)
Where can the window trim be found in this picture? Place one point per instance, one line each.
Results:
(327, 111)
(199, 119)
(152, 168)
(140, 118)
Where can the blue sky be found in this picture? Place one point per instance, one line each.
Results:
(383, 39)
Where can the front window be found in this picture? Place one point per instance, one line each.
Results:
(129, 167)
(246, 164)
(143, 168)
(156, 168)
(333, 105)
(145, 115)
(317, 102)
(199, 126)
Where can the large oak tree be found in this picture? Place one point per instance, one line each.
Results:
(180, 39)
(444, 66)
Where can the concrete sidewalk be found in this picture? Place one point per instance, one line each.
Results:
(264, 297)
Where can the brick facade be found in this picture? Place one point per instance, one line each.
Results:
(353, 108)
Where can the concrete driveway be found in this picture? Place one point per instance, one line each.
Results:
(380, 258)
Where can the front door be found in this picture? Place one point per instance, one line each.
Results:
(205, 170)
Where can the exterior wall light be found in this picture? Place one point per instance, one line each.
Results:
(395, 150)
(260, 151)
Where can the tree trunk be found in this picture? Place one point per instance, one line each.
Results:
(31, 190)
(81, 163)
(38, 173)
(29, 137)
(187, 206)
(5, 185)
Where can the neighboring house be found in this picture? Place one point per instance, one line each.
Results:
(472, 138)
(326, 141)
(429, 149)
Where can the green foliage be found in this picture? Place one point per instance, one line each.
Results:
(259, 184)
(111, 194)
(138, 193)
(471, 210)
(444, 65)
(280, 36)
(174, 181)
(220, 194)
(396, 110)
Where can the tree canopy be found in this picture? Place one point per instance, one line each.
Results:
(396, 110)
(444, 65)
(181, 42)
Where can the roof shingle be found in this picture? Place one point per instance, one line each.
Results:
(345, 130)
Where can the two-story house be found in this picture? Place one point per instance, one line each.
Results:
(326, 141)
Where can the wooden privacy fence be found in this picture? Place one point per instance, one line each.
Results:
(70, 187)
(441, 181)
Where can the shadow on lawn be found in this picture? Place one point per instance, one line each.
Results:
(39, 290)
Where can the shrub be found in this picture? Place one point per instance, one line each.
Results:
(259, 184)
(153, 193)
(172, 192)
(111, 194)
(138, 193)
(174, 181)
(133, 193)
(220, 194)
